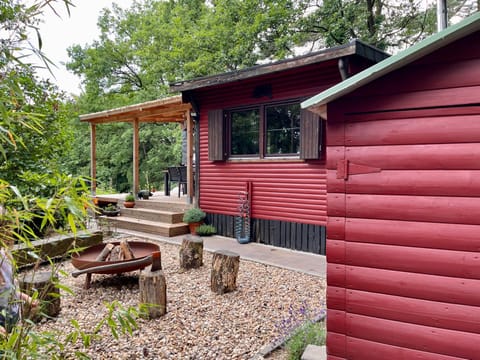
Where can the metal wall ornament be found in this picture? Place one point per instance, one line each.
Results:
(242, 221)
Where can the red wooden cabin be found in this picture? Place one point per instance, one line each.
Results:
(403, 169)
(253, 137)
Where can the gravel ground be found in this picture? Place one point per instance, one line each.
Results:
(198, 324)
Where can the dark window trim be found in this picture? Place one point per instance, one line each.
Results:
(312, 135)
(262, 130)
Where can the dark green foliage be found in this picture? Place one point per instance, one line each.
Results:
(110, 207)
(130, 197)
(206, 230)
(387, 24)
(193, 215)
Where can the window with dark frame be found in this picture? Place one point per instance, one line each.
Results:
(264, 131)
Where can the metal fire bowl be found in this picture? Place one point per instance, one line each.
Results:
(86, 258)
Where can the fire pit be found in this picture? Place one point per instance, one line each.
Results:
(89, 260)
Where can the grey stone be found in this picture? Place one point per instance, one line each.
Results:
(53, 247)
(314, 352)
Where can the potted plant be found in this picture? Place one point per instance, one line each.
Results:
(194, 217)
(110, 210)
(129, 201)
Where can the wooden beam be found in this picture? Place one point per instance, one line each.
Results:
(136, 160)
(136, 109)
(160, 113)
(93, 158)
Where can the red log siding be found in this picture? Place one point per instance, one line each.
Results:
(402, 249)
(293, 191)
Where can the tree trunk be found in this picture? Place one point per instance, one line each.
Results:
(153, 292)
(48, 293)
(191, 252)
(224, 272)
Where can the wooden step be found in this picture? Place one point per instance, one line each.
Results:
(162, 205)
(151, 227)
(153, 215)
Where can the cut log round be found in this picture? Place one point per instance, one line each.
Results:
(116, 254)
(105, 252)
(225, 265)
(126, 250)
(191, 252)
(48, 293)
(153, 292)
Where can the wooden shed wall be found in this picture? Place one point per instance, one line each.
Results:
(286, 190)
(403, 188)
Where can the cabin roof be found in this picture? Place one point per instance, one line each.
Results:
(170, 109)
(417, 51)
(355, 47)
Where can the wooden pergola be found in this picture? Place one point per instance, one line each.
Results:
(170, 109)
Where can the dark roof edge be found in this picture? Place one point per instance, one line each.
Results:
(355, 47)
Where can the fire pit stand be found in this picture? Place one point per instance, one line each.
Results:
(87, 262)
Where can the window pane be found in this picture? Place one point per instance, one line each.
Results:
(283, 129)
(245, 132)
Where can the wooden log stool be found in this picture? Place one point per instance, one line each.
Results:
(191, 252)
(153, 289)
(48, 294)
(224, 272)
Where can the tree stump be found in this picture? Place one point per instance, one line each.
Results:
(191, 252)
(153, 292)
(48, 293)
(224, 272)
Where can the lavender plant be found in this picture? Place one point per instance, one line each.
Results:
(302, 327)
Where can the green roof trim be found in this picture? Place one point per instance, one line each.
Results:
(424, 47)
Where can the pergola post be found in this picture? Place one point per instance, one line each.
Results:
(93, 158)
(136, 160)
(189, 157)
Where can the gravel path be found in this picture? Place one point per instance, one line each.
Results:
(199, 324)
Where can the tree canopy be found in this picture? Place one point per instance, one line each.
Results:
(143, 49)
(33, 131)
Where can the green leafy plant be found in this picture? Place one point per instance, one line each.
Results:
(194, 215)
(25, 342)
(206, 230)
(111, 207)
(310, 333)
(34, 194)
(130, 198)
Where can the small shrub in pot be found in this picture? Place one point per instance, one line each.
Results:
(194, 215)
